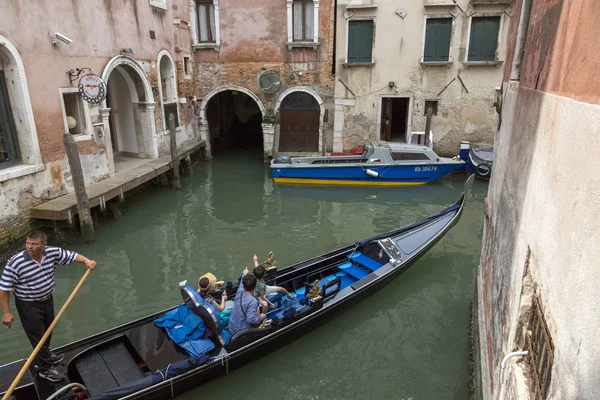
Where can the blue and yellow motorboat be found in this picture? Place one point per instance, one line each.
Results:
(381, 164)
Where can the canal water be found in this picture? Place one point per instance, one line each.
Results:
(409, 341)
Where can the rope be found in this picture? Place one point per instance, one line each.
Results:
(226, 358)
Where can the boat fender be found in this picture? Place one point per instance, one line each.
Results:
(372, 173)
(483, 169)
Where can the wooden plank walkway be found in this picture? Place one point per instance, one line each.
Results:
(65, 207)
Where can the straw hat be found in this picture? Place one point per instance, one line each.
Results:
(211, 278)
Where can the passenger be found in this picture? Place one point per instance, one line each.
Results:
(209, 282)
(245, 313)
(263, 290)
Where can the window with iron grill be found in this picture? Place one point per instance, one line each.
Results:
(540, 356)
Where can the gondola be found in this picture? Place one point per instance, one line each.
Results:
(140, 360)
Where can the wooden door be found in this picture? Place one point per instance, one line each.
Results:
(386, 119)
(299, 130)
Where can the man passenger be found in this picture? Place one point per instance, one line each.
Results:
(245, 313)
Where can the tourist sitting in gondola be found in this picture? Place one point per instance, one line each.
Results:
(207, 283)
(245, 313)
(263, 290)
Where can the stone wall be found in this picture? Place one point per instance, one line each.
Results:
(541, 234)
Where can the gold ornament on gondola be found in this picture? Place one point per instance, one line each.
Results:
(270, 262)
(315, 291)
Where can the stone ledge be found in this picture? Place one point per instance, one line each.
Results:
(202, 46)
(292, 45)
(20, 170)
(482, 63)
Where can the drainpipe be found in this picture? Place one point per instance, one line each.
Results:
(503, 366)
(512, 354)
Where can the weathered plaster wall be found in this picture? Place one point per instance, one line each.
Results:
(541, 201)
(465, 112)
(253, 39)
(99, 30)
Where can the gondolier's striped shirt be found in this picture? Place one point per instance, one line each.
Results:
(30, 280)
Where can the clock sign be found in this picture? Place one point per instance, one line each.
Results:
(92, 88)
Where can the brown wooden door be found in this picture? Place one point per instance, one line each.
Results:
(299, 130)
(386, 119)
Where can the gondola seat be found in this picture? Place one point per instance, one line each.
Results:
(359, 258)
(347, 280)
(353, 270)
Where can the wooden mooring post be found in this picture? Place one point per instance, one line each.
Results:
(83, 205)
(175, 182)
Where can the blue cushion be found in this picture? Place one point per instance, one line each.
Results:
(358, 258)
(353, 270)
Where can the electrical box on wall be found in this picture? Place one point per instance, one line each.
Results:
(401, 13)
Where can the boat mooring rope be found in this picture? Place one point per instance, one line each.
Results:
(164, 377)
(226, 358)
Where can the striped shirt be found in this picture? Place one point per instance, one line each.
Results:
(30, 280)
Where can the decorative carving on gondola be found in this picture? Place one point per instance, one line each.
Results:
(270, 262)
(315, 291)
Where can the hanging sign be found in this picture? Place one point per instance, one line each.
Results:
(92, 88)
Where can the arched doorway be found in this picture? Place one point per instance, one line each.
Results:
(131, 119)
(18, 136)
(233, 117)
(301, 115)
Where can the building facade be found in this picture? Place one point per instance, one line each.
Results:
(537, 281)
(137, 47)
(394, 60)
(264, 72)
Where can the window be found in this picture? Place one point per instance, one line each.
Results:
(540, 356)
(303, 20)
(360, 41)
(205, 11)
(433, 104)
(483, 40)
(168, 89)
(74, 113)
(437, 40)
(187, 67)
(409, 156)
(302, 23)
(9, 141)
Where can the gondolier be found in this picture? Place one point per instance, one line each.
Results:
(30, 276)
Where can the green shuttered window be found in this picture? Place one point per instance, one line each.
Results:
(484, 38)
(360, 41)
(437, 39)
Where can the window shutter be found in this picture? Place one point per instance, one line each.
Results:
(484, 38)
(437, 39)
(360, 41)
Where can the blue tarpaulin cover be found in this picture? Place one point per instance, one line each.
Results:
(170, 371)
(187, 330)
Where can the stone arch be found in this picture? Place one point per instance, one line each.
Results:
(14, 71)
(312, 93)
(144, 89)
(204, 131)
(138, 99)
(225, 88)
(172, 81)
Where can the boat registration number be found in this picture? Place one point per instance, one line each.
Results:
(425, 169)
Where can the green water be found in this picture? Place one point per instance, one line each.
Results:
(410, 340)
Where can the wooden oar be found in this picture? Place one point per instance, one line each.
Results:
(45, 337)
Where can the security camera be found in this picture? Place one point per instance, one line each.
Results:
(62, 38)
